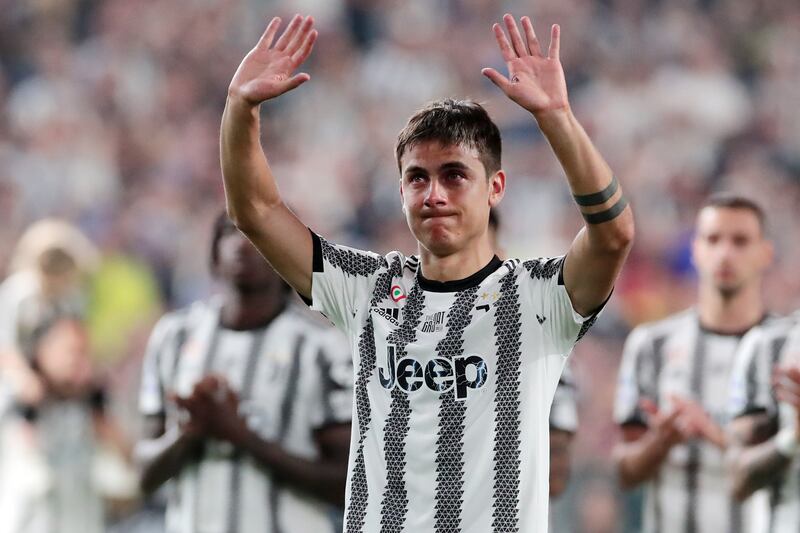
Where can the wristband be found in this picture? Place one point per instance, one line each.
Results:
(786, 442)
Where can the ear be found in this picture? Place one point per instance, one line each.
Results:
(497, 187)
(402, 197)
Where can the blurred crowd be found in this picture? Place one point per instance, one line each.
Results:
(110, 120)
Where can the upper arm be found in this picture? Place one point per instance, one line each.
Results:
(591, 267)
(344, 279)
(285, 242)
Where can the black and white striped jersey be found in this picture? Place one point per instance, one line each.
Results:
(762, 350)
(293, 376)
(678, 357)
(453, 386)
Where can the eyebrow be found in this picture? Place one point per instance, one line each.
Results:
(450, 165)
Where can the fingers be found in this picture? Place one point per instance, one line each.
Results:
(530, 36)
(502, 42)
(497, 78)
(269, 34)
(300, 36)
(295, 81)
(305, 50)
(555, 42)
(516, 38)
(289, 33)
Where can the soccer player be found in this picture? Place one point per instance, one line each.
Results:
(764, 431)
(563, 411)
(457, 354)
(258, 440)
(674, 379)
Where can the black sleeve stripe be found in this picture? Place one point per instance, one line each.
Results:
(609, 214)
(598, 198)
(316, 262)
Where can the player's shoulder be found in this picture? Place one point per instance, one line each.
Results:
(773, 328)
(182, 317)
(537, 268)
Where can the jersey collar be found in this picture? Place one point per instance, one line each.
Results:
(459, 284)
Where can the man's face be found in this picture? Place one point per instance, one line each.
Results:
(447, 196)
(239, 263)
(729, 249)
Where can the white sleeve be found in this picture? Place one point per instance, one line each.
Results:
(562, 324)
(342, 280)
(158, 363)
(637, 379)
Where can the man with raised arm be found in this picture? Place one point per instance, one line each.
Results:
(457, 354)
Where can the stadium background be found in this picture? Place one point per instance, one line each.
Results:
(110, 114)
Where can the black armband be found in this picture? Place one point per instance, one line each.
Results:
(597, 198)
(609, 214)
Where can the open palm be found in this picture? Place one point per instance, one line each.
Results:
(535, 81)
(268, 69)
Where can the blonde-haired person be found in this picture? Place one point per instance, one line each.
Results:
(47, 271)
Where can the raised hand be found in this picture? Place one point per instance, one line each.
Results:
(535, 82)
(268, 69)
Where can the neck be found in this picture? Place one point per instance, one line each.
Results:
(249, 309)
(458, 265)
(730, 313)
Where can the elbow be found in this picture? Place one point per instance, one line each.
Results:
(247, 218)
(620, 240)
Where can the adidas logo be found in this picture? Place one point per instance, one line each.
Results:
(541, 319)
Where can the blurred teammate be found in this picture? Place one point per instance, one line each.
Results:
(675, 377)
(457, 353)
(259, 438)
(563, 411)
(765, 406)
(60, 456)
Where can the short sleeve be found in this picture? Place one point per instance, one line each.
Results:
(636, 380)
(162, 348)
(564, 412)
(334, 374)
(342, 280)
(562, 324)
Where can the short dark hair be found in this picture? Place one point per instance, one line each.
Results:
(734, 201)
(454, 123)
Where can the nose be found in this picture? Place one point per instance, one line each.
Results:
(435, 194)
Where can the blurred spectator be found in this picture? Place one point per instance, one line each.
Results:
(49, 273)
(62, 457)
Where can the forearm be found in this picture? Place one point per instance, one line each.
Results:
(640, 460)
(755, 467)
(589, 176)
(163, 458)
(250, 188)
(324, 479)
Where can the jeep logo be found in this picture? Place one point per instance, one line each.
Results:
(439, 374)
